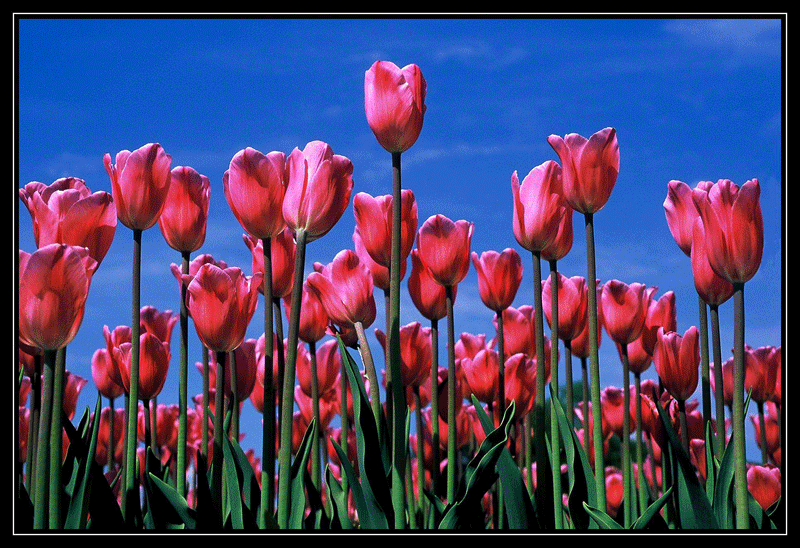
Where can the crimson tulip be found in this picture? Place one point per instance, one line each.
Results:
(712, 288)
(764, 483)
(246, 369)
(105, 375)
(374, 223)
(499, 277)
(681, 212)
(345, 288)
(154, 359)
(519, 373)
(677, 359)
(589, 168)
(53, 286)
(221, 303)
(734, 228)
(415, 353)
(538, 206)
(140, 182)
(328, 369)
(380, 274)
(572, 303)
(426, 294)
(394, 101)
(661, 312)
(481, 375)
(314, 319)
(761, 367)
(158, 323)
(254, 185)
(67, 212)
(518, 330)
(444, 248)
(318, 188)
(624, 310)
(184, 218)
(562, 244)
(282, 255)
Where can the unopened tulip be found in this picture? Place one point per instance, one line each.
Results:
(221, 303)
(590, 168)
(499, 277)
(53, 286)
(518, 331)
(444, 248)
(105, 375)
(712, 288)
(254, 185)
(624, 310)
(140, 182)
(345, 288)
(328, 369)
(67, 212)
(764, 483)
(394, 101)
(426, 294)
(572, 303)
(681, 212)
(319, 184)
(282, 254)
(677, 360)
(761, 366)
(539, 206)
(153, 365)
(734, 228)
(184, 218)
(415, 353)
(314, 319)
(374, 222)
(481, 375)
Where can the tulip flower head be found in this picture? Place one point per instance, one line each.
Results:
(184, 218)
(624, 310)
(499, 277)
(140, 182)
(254, 185)
(538, 206)
(677, 360)
(444, 248)
(345, 289)
(374, 222)
(590, 168)
(394, 101)
(427, 295)
(681, 212)
(154, 356)
(713, 289)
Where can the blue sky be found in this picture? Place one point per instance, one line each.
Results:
(691, 98)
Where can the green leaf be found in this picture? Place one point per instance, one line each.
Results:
(340, 519)
(652, 511)
(601, 518)
(297, 497)
(182, 513)
(80, 482)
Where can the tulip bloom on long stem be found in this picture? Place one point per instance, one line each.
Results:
(734, 242)
(590, 167)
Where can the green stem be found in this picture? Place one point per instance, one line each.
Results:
(451, 399)
(719, 388)
(130, 496)
(568, 381)
(501, 405)
(420, 450)
(287, 395)
(639, 444)
(234, 400)
(594, 364)
(42, 482)
(206, 397)
(587, 434)
(555, 439)
(705, 381)
(626, 436)
(398, 400)
(33, 425)
(539, 437)
(763, 433)
(217, 455)
(435, 404)
(315, 443)
(369, 369)
(268, 409)
(740, 463)
(182, 384)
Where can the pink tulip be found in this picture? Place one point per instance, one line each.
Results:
(677, 360)
(140, 182)
(394, 101)
(374, 222)
(345, 288)
(713, 289)
(661, 312)
(380, 274)
(444, 248)
(538, 206)
(282, 255)
(590, 168)
(104, 374)
(158, 323)
(221, 303)
(314, 319)
(764, 483)
(318, 189)
(53, 286)
(426, 294)
(572, 305)
(734, 228)
(154, 356)
(254, 186)
(499, 277)
(481, 374)
(518, 331)
(761, 368)
(561, 246)
(681, 212)
(183, 221)
(624, 310)
(328, 368)
(66, 212)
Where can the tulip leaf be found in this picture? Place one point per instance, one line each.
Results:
(175, 501)
(236, 462)
(338, 498)
(297, 497)
(601, 518)
(82, 456)
(652, 511)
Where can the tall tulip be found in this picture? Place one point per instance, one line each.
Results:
(761, 370)
(734, 243)
(184, 218)
(677, 360)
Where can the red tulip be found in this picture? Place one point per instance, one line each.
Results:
(444, 248)
(572, 305)
(158, 323)
(282, 255)
(53, 286)
(590, 168)
(681, 212)
(734, 227)
(154, 356)
(66, 212)
(538, 206)
(328, 368)
(73, 384)
(660, 313)
(520, 383)
(481, 374)
(764, 483)
(345, 288)
(427, 295)
(580, 344)
(105, 375)
(712, 288)
(374, 223)
(140, 182)
(761, 366)
(415, 353)
(518, 331)
(677, 360)
(380, 274)
(221, 303)
(184, 218)
(624, 310)
(394, 101)
(499, 277)
(562, 244)
(319, 184)
(314, 319)
(254, 186)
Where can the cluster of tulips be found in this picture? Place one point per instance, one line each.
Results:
(500, 440)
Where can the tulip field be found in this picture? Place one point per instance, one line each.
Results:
(366, 421)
